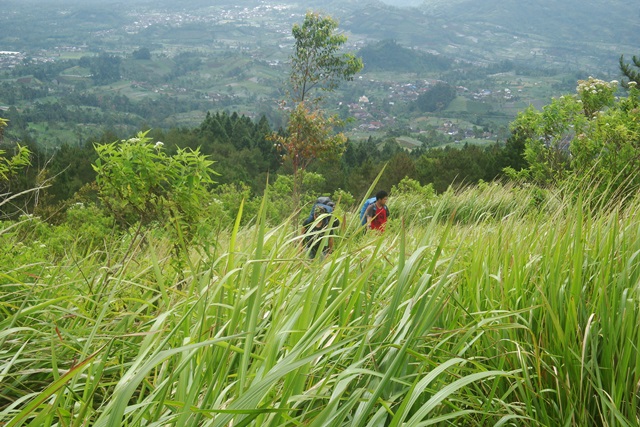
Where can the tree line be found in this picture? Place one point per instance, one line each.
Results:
(243, 154)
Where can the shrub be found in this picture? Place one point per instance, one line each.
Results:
(280, 195)
(139, 182)
(411, 201)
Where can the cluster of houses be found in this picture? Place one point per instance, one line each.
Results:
(10, 59)
(375, 116)
(214, 14)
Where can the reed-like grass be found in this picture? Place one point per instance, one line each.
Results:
(525, 315)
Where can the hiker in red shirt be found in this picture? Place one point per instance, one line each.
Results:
(378, 212)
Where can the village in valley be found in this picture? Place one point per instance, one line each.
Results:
(235, 57)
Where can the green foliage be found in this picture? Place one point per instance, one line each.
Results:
(24, 243)
(608, 151)
(89, 223)
(632, 74)
(315, 65)
(30, 240)
(309, 136)
(141, 54)
(231, 197)
(596, 95)
(408, 186)
(343, 198)
(11, 195)
(315, 62)
(437, 98)
(70, 167)
(548, 134)
(282, 203)
(245, 154)
(105, 68)
(139, 181)
(399, 167)
(411, 202)
(3, 124)
(590, 139)
(388, 55)
(9, 166)
(458, 166)
(463, 317)
(513, 154)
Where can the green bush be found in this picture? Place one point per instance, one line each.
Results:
(411, 202)
(86, 225)
(588, 141)
(280, 196)
(139, 182)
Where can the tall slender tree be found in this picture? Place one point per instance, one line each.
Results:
(317, 66)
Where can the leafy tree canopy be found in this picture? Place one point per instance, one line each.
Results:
(142, 54)
(591, 137)
(436, 98)
(316, 62)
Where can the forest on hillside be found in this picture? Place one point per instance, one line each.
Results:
(244, 157)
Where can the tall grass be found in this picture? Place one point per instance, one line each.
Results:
(485, 308)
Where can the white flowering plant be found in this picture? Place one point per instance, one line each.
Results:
(596, 94)
(591, 137)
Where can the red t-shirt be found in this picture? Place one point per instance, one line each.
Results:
(379, 217)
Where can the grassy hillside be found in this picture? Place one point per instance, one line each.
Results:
(493, 306)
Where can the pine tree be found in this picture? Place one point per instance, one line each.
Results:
(633, 75)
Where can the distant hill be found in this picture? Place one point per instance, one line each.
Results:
(566, 20)
(580, 34)
(388, 55)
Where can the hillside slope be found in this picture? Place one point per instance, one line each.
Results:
(581, 33)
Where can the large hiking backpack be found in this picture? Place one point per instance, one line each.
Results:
(363, 211)
(363, 218)
(323, 202)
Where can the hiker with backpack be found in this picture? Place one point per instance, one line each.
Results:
(375, 211)
(319, 230)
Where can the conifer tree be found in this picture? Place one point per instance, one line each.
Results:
(633, 75)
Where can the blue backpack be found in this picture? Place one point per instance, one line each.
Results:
(369, 201)
(323, 202)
